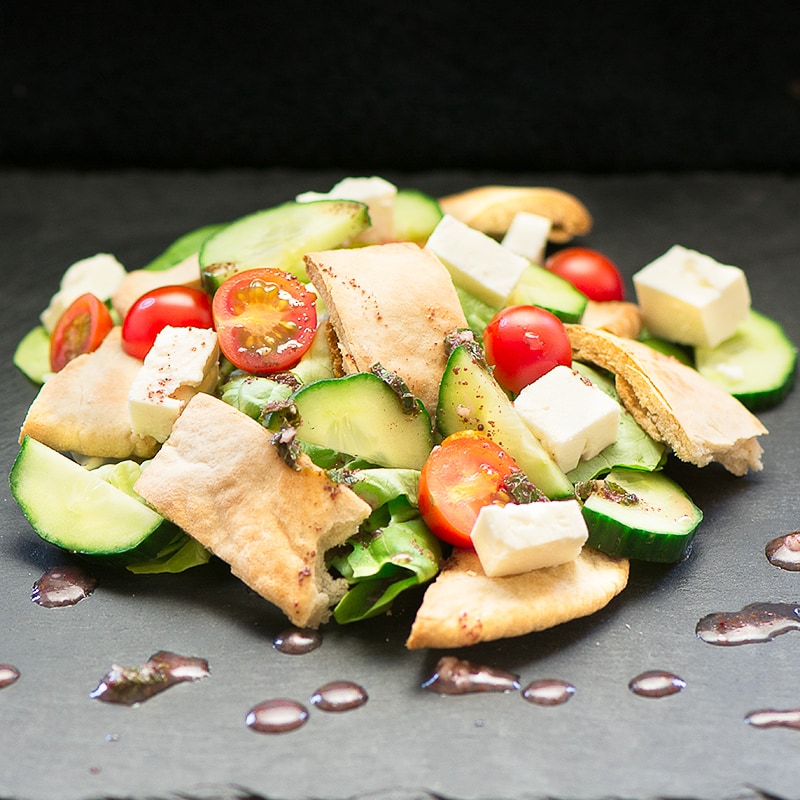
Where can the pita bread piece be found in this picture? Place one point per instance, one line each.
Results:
(391, 304)
(83, 408)
(220, 479)
(615, 316)
(463, 607)
(674, 403)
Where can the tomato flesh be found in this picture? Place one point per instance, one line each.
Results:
(588, 270)
(177, 306)
(522, 343)
(466, 472)
(80, 329)
(265, 319)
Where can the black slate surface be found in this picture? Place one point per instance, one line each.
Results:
(191, 741)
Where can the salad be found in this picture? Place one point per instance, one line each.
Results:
(247, 330)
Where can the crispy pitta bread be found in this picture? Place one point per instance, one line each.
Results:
(220, 479)
(615, 316)
(83, 408)
(463, 607)
(391, 304)
(674, 403)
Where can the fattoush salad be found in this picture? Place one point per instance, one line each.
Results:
(366, 390)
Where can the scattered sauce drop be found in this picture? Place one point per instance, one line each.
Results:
(656, 683)
(131, 685)
(63, 586)
(297, 641)
(548, 692)
(769, 718)
(339, 696)
(276, 716)
(8, 675)
(456, 676)
(757, 622)
(784, 551)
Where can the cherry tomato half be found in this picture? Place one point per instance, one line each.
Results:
(178, 306)
(80, 329)
(588, 270)
(522, 343)
(266, 320)
(463, 474)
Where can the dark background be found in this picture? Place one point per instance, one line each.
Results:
(584, 86)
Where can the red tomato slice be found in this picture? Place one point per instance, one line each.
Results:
(462, 475)
(589, 271)
(80, 329)
(178, 306)
(265, 319)
(522, 343)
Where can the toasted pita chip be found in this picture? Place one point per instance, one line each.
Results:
(463, 607)
(674, 403)
(220, 479)
(83, 408)
(391, 304)
(615, 316)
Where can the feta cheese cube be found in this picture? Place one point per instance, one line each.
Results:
(181, 363)
(99, 274)
(476, 262)
(377, 193)
(527, 236)
(513, 538)
(689, 298)
(571, 417)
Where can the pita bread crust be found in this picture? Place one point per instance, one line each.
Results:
(83, 408)
(391, 304)
(674, 403)
(220, 479)
(619, 317)
(463, 607)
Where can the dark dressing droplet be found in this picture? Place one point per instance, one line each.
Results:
(8, 675)
(297, 641)
(276, 716)
(656, 683)
(770, 718)
(131, 685)
(757, 622)
(548, 692)
(784, 551)
(456, 676)
(339, 696)
(63, 586)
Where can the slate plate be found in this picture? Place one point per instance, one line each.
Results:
(191, 741)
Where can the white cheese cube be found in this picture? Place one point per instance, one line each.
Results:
(181, 363)
(571, 417)
(476, 262)
(100, 274)
(689, 298)
(377, 193)
(527, 236)
(513, 538)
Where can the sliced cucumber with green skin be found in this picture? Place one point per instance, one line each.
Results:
(279, 237)
(757, 365)
(182, 248)
(540, 287)
(416, 214)
(76, 510)
(361, 415)
(641, 515)
(471, 399)
(32, 354)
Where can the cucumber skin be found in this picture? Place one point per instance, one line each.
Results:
(416, 214)
(540, 287)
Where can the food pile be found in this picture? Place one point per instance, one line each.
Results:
(366, 390)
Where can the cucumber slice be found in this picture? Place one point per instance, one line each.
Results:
(416, 214)
(278, 237)
(539, 287)
(651, 519)
(73, 508)
(757, 365)
(471, 399)
(361, 415)
(182, 248)
(32, 354)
